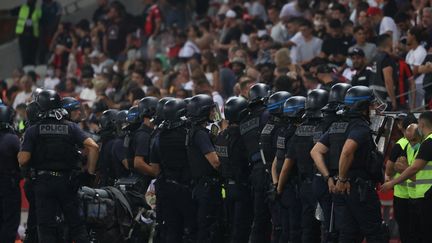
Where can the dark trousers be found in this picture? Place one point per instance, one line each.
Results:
(290, 214)
(239, 207)
(321, 193)
(261, 227)
(402, 214)
(358, 214)
(415, 222)
(176, 211)
(10, 200)
(28, 49)
(311, 229)
(31, 231)
(52, 192)
(208, 199)
(426, 217)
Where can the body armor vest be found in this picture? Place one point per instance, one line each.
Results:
(268, 139)
(200, 166)
(229, 148)
(306, 135)
(250, 130)
(55, 149)
(173, 154)
(284, 135)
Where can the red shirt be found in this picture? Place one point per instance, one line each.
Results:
(153, 15)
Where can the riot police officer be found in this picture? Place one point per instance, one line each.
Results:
(50, 145)
(175, 207)
(33, 113)
(268, 146)
(73, 107)
(204, 164)
(10, 195)
(298, 153)
(349, 143)
(118, 152)
(320, 187)
(106, 166)
(235, 171)
(250, 129)
(141, 141)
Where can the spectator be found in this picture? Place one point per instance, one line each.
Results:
(51, 81)
(297, 8)
(368, 48)
(101, 12)
(426, 22)
(306, 45)
(386, 25)
(140, 78)
(414, 59)
(325, 75)
(211, 69)
(205, 41)
(82, 30)
(27, 87)
(88, 93)
(426, 69)
(362, 74)
(27, 30)
(50, 19)
(116, 31)
(335, 46)
(155, 74)
(189, 48)
(278, 30)
(257, 10)
(153, 19)
(64, 42)
(384, 72)
(230, 33)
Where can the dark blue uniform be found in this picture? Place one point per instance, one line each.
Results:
(298, 150)
(207, 189)
(10, 195)
(52, 145)
(357, 214)
(118, 154)
(250, 129)
(106, 161)
(176, 215)
(139, 145)
(235, 172)
(289, 203)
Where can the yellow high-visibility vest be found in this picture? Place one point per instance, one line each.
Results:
(423, 178)
(401, 190)
(23, 17)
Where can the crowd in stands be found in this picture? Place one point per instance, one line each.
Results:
(181, 48)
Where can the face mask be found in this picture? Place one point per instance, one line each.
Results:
(349, 62)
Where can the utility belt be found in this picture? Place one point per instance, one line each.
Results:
(173, 180)
(208, 181)
(36, 173)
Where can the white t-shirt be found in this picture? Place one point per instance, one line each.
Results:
(416, 58)
(88, 96)
(50, 83)
(188, 50)
(258, 10)
(303, 50)
(388, 25)
(289, 10)
(21, 98)
(279, 33)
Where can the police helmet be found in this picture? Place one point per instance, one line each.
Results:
(174, 110)
(158, 118)
(147, 106)
(359, 98)
(234, 108)
(294, 107)
(316, 100)
(120, 121)
(336, 96)
(48, 100)
(33, 113)
(107, 120)
(133, 116)
(199, 107)
(70, 104)
(276, 101)
(6, 115)
(259, 92)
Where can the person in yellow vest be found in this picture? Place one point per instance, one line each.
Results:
(401, 202)
(421, 168)
(27, 29)
(404, 161)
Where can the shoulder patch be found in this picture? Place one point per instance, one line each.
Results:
(338, 127)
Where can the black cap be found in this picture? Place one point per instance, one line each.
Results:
(356, 52)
